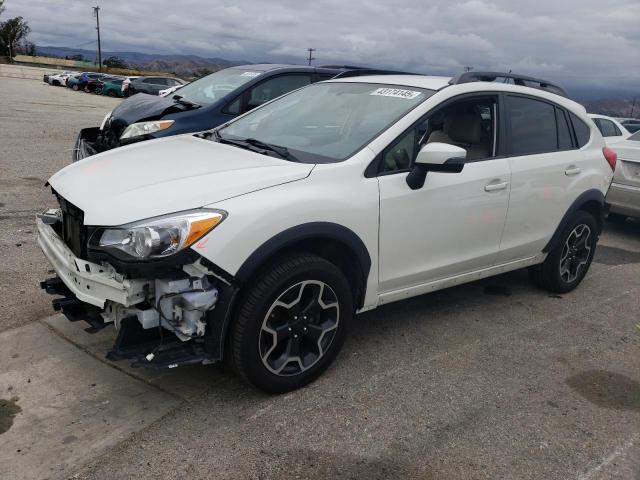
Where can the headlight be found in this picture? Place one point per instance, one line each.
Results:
(159, 237)
(145, 128)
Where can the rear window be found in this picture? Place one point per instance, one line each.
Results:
(583, 132)
(564, 132)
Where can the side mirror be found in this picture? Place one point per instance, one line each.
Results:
(435, 157)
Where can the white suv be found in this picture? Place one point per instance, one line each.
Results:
(260, 240)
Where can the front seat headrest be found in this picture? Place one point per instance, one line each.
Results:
(463, 127)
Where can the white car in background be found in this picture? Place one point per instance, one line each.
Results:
(260, 240)
(60, 79)
(610, 128)
(623, 198)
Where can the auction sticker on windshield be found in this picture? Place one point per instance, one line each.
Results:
(250, 74)
(395, 92)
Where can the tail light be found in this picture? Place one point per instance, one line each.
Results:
(611, 157)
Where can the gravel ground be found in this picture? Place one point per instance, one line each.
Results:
(39, 125)
(493, 379)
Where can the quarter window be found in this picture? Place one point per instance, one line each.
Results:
(532, 126)
(583, 132)
(564, 132)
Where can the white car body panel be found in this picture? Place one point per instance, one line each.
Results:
(154, 178)
(624, 195)
(425, 233)
(322, 197)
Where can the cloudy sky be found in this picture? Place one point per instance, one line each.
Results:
(578, 42)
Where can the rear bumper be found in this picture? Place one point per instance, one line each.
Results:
(85, 143)
(624, 199)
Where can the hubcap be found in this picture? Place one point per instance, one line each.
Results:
(575, 253)
(299, 328)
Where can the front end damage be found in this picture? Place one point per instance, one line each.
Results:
(165, 315)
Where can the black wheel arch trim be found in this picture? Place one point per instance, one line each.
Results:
(306, 231)
(589, 197)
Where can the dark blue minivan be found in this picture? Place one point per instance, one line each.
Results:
(201, 105)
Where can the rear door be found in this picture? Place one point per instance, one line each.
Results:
(546, 170)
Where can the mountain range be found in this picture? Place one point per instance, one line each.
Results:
(604, 100)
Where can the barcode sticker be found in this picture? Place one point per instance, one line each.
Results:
(395, 92)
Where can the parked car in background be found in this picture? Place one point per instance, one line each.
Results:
(95, 85)
(612, 130)
(202, 104)
(633, 125)
(60, 79)
(153, 85)
(112, 87)
(73, 81)
(125, 85)
(259, 241)
(85, 78)
(623, 198)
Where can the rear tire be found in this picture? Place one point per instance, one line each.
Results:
(291, 323)
(75, 87)
(568, 263)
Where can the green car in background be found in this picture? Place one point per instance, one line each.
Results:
(112, 87)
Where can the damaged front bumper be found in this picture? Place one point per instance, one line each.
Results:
(173, 320)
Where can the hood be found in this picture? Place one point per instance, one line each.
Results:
(164, 176)
(142, 106)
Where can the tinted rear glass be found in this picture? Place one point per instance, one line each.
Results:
(583, 132)
(564, 132)
(532, 126)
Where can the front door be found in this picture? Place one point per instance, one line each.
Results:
(453, 224)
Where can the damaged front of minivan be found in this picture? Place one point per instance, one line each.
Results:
(123, 243)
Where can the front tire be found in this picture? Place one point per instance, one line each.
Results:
(568, 263)
(291, 323)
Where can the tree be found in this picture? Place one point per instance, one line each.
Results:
(1, 6)
(12, 32)
(114, 62)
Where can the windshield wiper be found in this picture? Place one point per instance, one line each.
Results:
(181, 100)
(256, 145)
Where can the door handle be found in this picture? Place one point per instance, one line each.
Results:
(572, 170)
(492, 187)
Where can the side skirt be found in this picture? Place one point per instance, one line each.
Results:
(423, 288)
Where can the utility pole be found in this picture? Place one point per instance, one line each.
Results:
(633, 106)
(96, 12)
(311, 50)
(468, 69)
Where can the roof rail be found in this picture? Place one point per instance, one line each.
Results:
(344, 67)
(359, 72)
(523, 80)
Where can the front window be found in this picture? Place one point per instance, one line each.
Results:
(327, 122)
(212, 88)
(635, 137)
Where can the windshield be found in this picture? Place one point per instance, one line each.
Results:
(327, 122)
(213, 87)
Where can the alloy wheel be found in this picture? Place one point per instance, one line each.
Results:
(575, 253)
(299, 328)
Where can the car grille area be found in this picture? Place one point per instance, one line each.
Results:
(73, 231)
